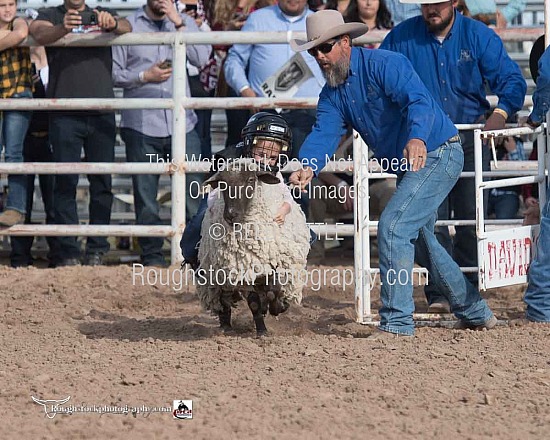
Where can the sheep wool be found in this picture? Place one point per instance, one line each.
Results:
(256, 252)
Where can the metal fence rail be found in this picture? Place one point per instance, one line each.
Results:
(179, 165)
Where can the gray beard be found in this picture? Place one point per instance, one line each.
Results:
(338, 74)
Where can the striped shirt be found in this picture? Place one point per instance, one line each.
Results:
(15, 70)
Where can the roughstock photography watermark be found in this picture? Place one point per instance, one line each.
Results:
(315, 278)
(52, 408)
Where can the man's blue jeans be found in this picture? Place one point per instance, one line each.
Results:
(69, 133)
(138, 147)
(13, 129)
(460, 205)
(537, 295)
(410, 217)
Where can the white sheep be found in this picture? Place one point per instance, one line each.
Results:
(260, 260)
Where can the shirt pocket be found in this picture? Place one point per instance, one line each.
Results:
(466, 76)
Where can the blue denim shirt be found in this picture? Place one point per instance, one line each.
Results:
(456, 70)
(541, 95)
(129, 61)
(510, 11)
(263, 60)
(385, 102)
(402, 11)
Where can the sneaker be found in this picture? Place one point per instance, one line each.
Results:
(381, 335)
(11, 217)
(93, 259)
(488, 325)
(439, 307)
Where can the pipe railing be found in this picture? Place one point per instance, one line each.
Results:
(179, 166)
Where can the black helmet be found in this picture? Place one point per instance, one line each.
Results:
(264, 125)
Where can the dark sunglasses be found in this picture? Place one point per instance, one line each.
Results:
(324, 48)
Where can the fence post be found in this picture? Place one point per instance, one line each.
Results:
(179, 129)
(362, 226)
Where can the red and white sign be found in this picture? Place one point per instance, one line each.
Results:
(505, 256)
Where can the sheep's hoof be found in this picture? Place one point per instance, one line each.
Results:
(226, 328)
(262, 334)
(225, 319)
(278, 306)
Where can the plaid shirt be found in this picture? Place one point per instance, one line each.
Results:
(15, 70)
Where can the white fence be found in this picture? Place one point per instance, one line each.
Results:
(179, 165)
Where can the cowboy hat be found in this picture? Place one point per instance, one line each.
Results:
(423, 2)
(324, 25)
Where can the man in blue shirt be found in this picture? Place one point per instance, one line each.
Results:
(381, 96)
(456, 57)
(537, 295)
(143, 72)
(247, 66)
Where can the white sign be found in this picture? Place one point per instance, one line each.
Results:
(285, 82)
(505, 256)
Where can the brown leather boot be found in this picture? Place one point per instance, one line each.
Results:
(11, 217)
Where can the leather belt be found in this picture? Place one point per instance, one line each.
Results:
(39, 134)
(455, 138)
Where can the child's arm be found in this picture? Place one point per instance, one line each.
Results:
(282, 213)
(287, 195)
(16, 36)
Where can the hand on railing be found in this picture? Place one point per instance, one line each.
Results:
(525, 121)
(249, 93)
(106, 21)
(497, 121)
(531, 215)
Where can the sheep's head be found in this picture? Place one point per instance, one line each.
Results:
(238, 182)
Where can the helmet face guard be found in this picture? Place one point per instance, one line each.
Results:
(270, 134)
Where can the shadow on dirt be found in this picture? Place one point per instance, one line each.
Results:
(106, 325)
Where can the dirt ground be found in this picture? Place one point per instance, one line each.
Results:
(90, 334)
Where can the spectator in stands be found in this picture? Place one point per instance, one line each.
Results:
(15, 82)
(342, 6)
(402, 123)
(456, 71)
(200, 83)
(144, 72)
(37, 149)
(374, 13)
(487, 12)
(248, 66)
(78, 72)
(401, 11)
(231, 15)
(537, 295)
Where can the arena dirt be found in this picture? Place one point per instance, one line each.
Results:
(88, 333)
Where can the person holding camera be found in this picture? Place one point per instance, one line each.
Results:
(15, 82)
(81, 72)
(146, 72)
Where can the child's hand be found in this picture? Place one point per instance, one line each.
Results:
(282, 213)
(280, 219)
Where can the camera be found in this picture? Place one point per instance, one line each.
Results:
(89, 18)
(166, 64)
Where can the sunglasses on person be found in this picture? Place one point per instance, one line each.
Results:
(324, 48)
